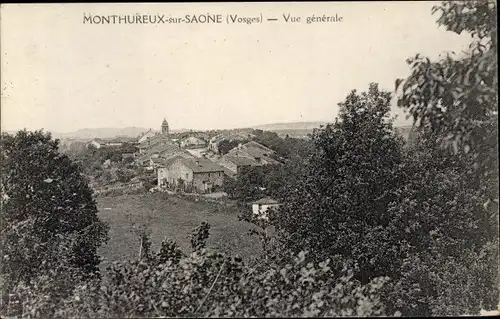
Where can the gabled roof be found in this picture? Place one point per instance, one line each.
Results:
(159, 148)
(254, 152)
(201, 165)
(228, 136)
(155, 139)
(253, 144)
(164, 162)
(197, 165)
(176, 156)
(241, 161)
(254, 149)
(265, 201)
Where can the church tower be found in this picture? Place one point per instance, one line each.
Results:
(164, 128)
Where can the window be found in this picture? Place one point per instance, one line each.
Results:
(187, 175)
(208, 174)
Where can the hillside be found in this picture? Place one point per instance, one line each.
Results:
(108, 132)
(291, 129)
(294, 126)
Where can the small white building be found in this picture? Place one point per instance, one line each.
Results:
(98, 143)
(262, 206)
(95, 143)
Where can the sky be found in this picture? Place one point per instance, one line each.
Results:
(61, 74)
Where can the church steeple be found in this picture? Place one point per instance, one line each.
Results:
(164, 127)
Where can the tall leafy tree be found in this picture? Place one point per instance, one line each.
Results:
(225, 146)
(442, 233)
(457, 96)
(454, 102)
(343, 196)
(46, 201)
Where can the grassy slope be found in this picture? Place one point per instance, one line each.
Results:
(174, 218)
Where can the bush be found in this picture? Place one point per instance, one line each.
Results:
(207, 283)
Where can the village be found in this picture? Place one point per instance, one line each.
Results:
(195, 164)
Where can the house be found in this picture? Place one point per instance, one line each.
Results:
(261, 207)
(143, 137)
(150, 138)
(158, 145)
(235, 164)
(145, 160)
(214, 141)
(193, 142)
(150, 142)
(163, 149)
(190, 174)
(248, 154)
(197, 152)
(262, 154)
(99, 142)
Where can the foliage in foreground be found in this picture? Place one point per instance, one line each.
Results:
(414, 214)
(457, 96)
(203, 283)
(46, 204)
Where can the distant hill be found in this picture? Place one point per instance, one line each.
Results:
(104, 132)
(293, 129)
(302, 129)
(294, 126)
(108, 132)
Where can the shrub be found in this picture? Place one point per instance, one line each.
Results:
(207, 283)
